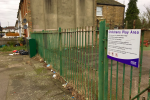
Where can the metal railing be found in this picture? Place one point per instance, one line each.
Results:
(80, 56)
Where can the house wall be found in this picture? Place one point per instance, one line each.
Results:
(20, 23)
(51, 14)
(8, 30)
(25, 12)
(112, 14)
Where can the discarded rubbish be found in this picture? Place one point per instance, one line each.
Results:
(51, 70)
(54, 76)
(14, 51)
(41, 60)
(45, 61)
(64, 85)
(24, 53)
(21, 51)
(72, 97)
(48, 65)
(54, 72)
(11, 54)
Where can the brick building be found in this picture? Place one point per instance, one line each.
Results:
(24, 12)
(51, 14)
(112, 11)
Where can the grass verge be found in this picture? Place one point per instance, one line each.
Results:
(11, 48)
(146, 48)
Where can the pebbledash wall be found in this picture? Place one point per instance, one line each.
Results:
(52, 14)
(72, 14)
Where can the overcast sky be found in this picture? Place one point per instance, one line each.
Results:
(9, 8)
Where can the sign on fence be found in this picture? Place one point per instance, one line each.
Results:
(124, 46)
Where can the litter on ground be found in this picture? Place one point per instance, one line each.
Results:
(54, 76)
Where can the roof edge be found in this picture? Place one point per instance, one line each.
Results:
(111, 4)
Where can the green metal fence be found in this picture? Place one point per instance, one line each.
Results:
(80, 56)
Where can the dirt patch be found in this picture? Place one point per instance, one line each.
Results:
(2, 65)
(15, 65)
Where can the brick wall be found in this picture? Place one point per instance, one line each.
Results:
(26, 13)
(147, 35)
(112, 14)
(29, 16)
(6, 40)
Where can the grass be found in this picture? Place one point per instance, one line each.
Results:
(146, 48)
(40, 70)
(11, 48)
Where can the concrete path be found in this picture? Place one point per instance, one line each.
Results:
(22, 78)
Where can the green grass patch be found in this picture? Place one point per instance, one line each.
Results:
(11, 48)
(40, 71)
(146, 48)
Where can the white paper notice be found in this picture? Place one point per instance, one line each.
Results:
(124, 46)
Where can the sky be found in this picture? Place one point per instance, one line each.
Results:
(9, 9)
(140, 4)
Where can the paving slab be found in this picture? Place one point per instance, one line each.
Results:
(23, 78)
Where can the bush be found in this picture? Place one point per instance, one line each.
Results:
(11, 43)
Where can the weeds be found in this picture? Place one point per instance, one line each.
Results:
(11, 48)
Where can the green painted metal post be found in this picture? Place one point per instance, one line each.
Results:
(101, 60)
(106, 69)
(123, 82)
(60, 50)
(130, 82)
(140, 68)
(117, 82)
(148, 98)
(111, 80)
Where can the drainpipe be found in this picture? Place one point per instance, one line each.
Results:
(123, 18)
(94, 19)
(44, 15)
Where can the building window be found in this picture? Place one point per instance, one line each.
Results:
(99, 11)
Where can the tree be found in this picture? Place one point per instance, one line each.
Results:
(132, 14)
(145, 16)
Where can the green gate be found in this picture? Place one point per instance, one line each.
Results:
(80, 57)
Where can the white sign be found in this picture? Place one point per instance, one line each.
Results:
(124, 46)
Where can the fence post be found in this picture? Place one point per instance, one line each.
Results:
(106, 66)
(148, 98)
(101, 61)
(60, 50)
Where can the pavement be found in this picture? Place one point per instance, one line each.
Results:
(22, 78)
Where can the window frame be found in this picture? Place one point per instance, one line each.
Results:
(101, 11)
